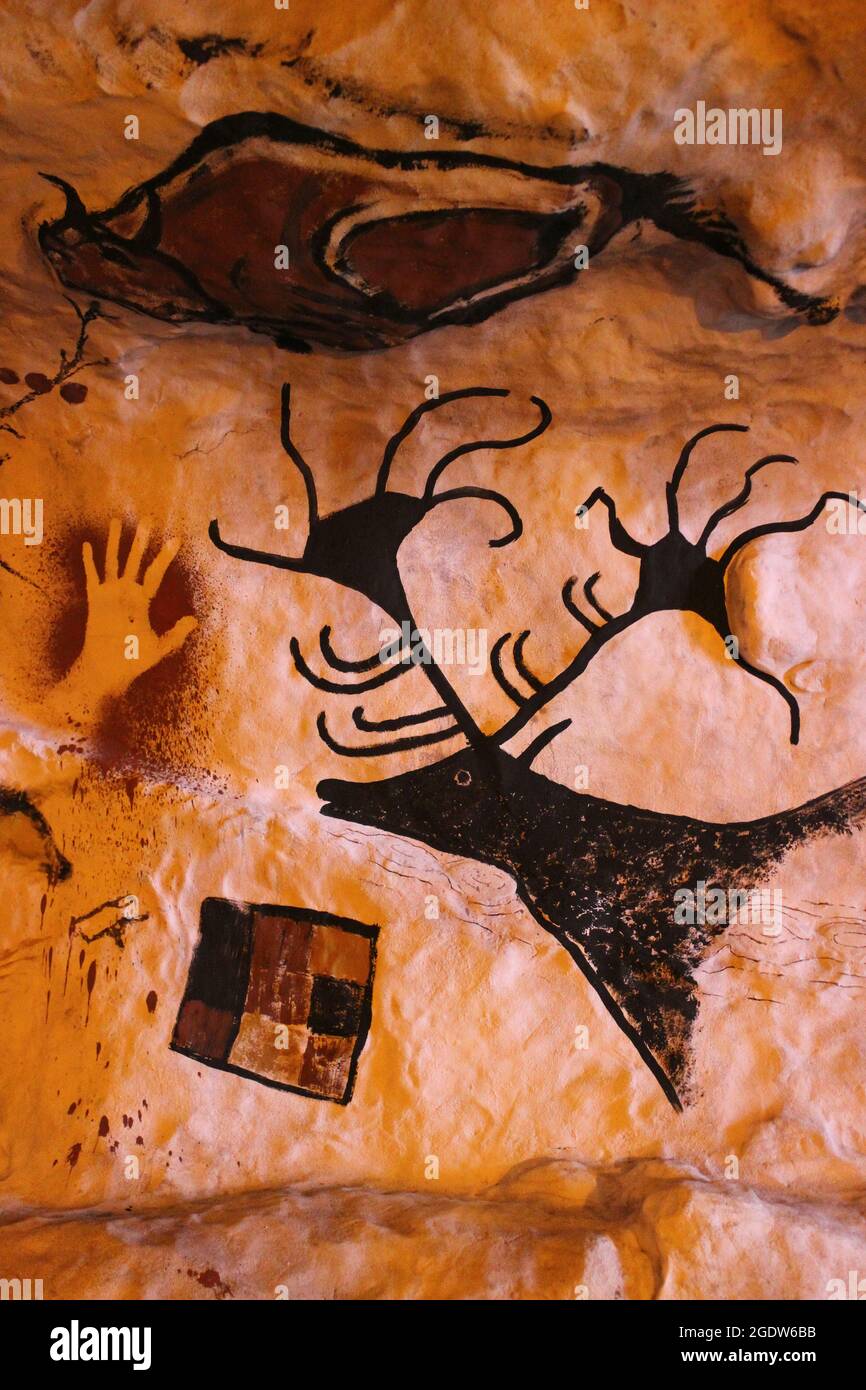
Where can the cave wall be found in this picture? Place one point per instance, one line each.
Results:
(479, 1009)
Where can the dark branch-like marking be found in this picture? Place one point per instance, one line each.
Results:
(69, 365)
(256, 557)
(588, 589)
(397, 745)
(783, 690)
(619, 536)
(498, 672)
(439, 468)
(349, 687)
(520, 663)
(683, 463)
(599, 638)
(568, 600)
(23, 577)
(418, 414)
(772, 528)
(532, 750)
(742, 497)
(302, 466)
(485, 495)
(367, 663)
(380, 726)
(17, 803)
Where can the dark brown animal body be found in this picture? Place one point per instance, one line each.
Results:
(321, 243)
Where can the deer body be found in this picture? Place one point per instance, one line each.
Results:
(598, 875)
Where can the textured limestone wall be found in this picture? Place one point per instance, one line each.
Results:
(503, 1137)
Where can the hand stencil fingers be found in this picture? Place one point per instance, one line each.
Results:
(155, 572)
(177, 635)
(111, 549)
(91, 578)
(136, 553)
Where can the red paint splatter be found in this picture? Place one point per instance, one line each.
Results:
(210, 1279)
(8, 377)
(68, 954)
(103, 1127)
(91, 981)
(73, 392)
(150, 1001)
(72, 1156)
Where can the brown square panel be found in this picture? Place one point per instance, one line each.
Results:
(294, 937)
(293, 1004)
(269, 1049)
(327, 1066)
(281, 947)
(205, 1032)
(257, 967)
(341, 954)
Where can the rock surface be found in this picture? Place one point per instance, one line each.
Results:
(503, 1139)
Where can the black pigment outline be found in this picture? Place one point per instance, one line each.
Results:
(662, 198)
(623, 938)
(310, 917)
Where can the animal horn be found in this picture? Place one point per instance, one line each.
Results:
(76, 212)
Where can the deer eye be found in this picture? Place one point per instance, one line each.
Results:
(463, 778)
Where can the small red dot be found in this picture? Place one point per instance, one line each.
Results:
(73, 392)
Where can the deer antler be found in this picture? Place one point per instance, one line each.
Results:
(266, 557)
(397, 745)
(474, 445)
(417, 414)
(520, 665)
(682, 464)
(336, 550)
(742, 497)
(568, 600)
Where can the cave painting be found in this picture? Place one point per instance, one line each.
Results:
(37, 384)
(120, 643)
(279, 995)
(676, 573)
(601, 877)
(25, 831)
(326, 244)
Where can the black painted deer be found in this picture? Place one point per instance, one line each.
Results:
(601, 877)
